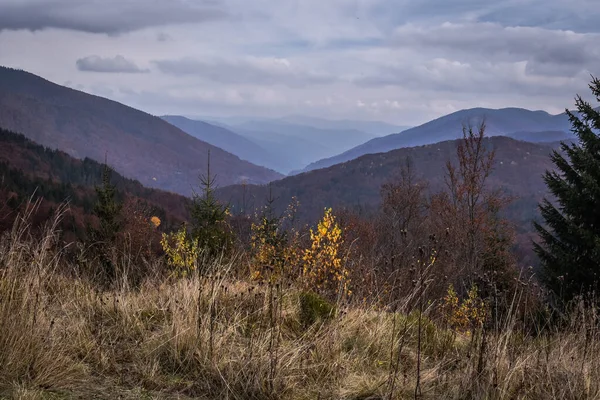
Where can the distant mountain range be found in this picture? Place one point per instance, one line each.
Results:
(227, 140)
(171, 152)
(536, 126)
(300, 144)
(284, 144)
(137, 144)
(373, 128)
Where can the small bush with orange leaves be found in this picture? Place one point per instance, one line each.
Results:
(324, 270)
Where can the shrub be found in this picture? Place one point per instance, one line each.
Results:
(323, 268)
(314, 308)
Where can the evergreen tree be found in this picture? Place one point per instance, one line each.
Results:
(209, 218)
(570, 240)
(108, 211)
(269, 242)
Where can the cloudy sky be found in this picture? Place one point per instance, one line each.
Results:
(401, 61)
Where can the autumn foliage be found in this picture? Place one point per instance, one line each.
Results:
(324, 269)
(181, 250)
(419, 298)
(275, 250)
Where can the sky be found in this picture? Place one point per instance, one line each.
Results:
(398, 61)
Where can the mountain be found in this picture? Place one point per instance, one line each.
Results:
(297, 144)
(292, 152)
(296, 141)
(375, 128)
(516, 122)
(229, 141)
(28, 169)
(518, 171)
(137, 144)
(329, 138)
(541, 137)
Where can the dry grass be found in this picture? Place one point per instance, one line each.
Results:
(220, 338)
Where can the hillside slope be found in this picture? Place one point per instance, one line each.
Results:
(503, 122)
(229, 141)
(139, 145)
(29, 169)
(518, 171)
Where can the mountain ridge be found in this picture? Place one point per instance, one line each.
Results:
(139, 145)
(298, 144)
(358, 181)
(499, 122)
(225, 139)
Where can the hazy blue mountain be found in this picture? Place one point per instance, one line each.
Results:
(293, 145)
(329, 138)
(293, 152)
(513, 122)
(232, 142)
(225, 121)
(375, 128)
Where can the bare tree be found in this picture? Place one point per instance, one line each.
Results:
(470, 213)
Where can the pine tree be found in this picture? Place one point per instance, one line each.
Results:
(107, 208)
(570, 240)
(269, 243)
(209, 218)
(108, 211)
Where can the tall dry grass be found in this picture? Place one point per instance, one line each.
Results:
(216, 337)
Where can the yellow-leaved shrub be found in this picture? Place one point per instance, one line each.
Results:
(323, 269)
(466, 315)
(181, 251)
(275, 251)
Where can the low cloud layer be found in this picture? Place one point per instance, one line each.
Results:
(540, 48)
(104, 16)
(401, 61)
(256, 71)
(117, 64)
(485, 57)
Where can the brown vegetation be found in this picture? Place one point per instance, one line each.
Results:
(221, 336)
(419, 300)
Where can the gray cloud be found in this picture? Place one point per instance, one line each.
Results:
(503, 43)
(403, 61)
(575, 15)
(545, 52)
(163, 37)
(251, 70)
(477, 79)
(104, 16)
(117, 64)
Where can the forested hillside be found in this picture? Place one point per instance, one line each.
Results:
(31, 171)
